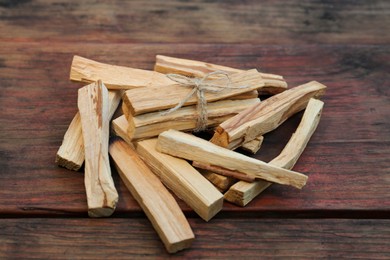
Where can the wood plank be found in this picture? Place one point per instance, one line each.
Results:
(189, 147)
(358, 151)
(242, 193)
(158, 204)
(180, 177)
(155, 98)
(282, 23)
(135, 238)
(102, 196)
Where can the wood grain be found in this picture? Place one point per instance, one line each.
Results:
(284, 22)
(120, 238)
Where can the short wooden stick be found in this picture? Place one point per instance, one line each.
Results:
(71, 152)
(102, 196)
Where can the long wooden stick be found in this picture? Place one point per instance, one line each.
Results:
(265, 117)
(191, 68)
(155, 98)
(180, 177)
(196, 149)
(71, 152)
(151, 124)
(242, 193)
(158, 204)
(93, 106)
(115, 77)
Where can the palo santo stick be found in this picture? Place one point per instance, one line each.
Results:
(196, 149)
(152, 124)
(180, 177)
(242, 193)
(154, 98)
(191, 68)
(93, 106)
(223, 171)
(115, 77)
(254, 145)
(221, 182)
(245, 96)
(121, 128)
(71, 152)
(158, 204)
(266, 116)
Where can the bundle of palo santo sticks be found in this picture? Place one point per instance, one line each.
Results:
(155, 148)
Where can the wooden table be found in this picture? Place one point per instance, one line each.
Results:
(344, 211)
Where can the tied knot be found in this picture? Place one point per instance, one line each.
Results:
(199, 87)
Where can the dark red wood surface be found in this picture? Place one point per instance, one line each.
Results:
(342, 44)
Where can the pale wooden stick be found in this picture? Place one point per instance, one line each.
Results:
(223, 171)
(151, 124)
(191, 68)
(115, 77)
(155, 98)
(196, 149)
(242, 193)
(266, 116)
(158, 204)
(185, 181)
(93, 106)
(254, 145)
(71, 152)
(160, 117)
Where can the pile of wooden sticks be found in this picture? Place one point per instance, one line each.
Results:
(155, 148)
